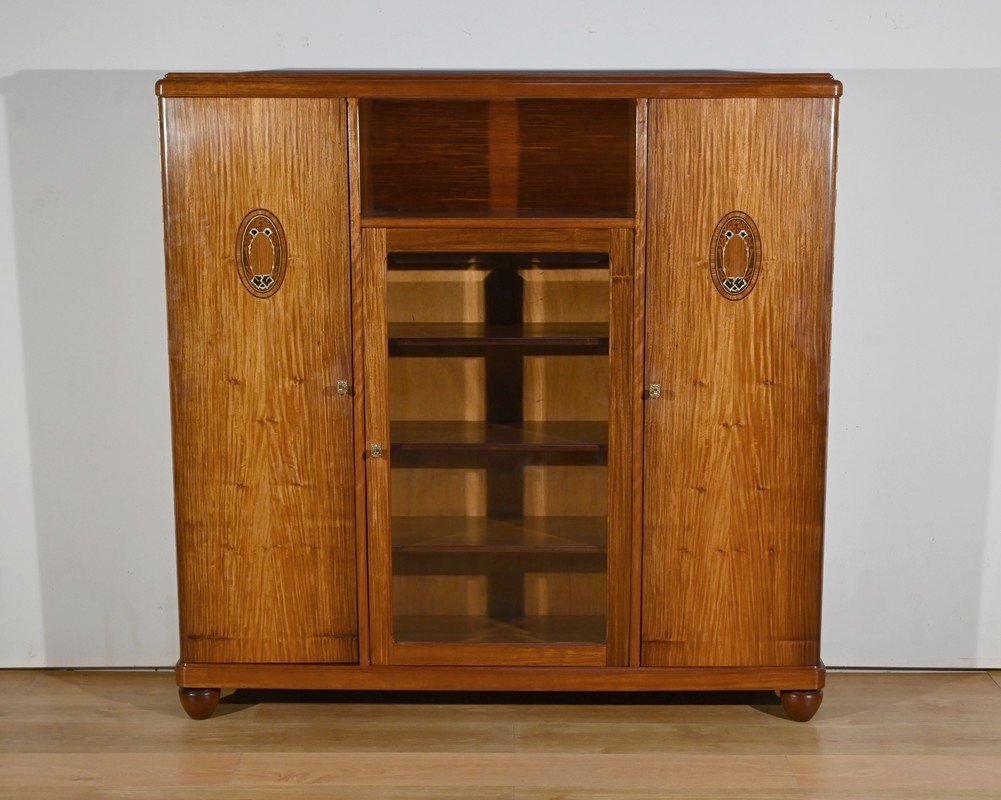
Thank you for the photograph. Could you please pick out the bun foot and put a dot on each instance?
(198, 703)
(801, 706)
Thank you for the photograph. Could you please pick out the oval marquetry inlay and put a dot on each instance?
(735, 255)
(261, 257)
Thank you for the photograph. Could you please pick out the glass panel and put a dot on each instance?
(498, 397)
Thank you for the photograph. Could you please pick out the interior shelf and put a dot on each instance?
(491, 261)
(499, 535)
(486, 630)
(531, 437)
(497, 221)
(591, 338)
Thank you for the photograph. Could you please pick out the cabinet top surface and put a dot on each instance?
(440, 85)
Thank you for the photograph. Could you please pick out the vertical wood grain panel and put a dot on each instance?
(262, 441)
(358, 363)
(502, 156)
(619, 449)
(735, 447)
(636, 385)
(380, 560)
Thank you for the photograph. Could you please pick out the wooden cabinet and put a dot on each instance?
(499, 381)
(263, 444)
(734, 450)
(497, 367)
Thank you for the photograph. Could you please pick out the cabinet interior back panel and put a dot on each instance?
(498, 158)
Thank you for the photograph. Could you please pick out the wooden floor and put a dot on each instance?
(123, 735)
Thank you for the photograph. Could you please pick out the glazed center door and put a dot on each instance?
(497, 424)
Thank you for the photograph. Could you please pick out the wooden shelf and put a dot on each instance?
(444, 336)
(485, 630)
(487, 259)
(497, 536)
(528, 437)
(497, 222)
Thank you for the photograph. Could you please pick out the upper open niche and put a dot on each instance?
(498, 158)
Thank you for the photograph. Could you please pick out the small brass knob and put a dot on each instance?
(654, 391)
(375, 451)
(343, 387)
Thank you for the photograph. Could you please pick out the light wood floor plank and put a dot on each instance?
(215, 792)
(878, 736)
(40, 770)
(877, 772)
(479, 793)
(16, 681)
(903, 714)
(556, 771)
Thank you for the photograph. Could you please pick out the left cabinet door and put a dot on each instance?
(258, 289)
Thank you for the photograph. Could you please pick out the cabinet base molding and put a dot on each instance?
(805, 679)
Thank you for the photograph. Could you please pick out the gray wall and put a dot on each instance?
(913, 552)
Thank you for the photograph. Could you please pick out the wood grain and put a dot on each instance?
(520, 437)
(879, 736)
(735, 448)
(497, 158)
(358, 387)
(714, 496)
(425, 157)
(501, 85)
(620, 457)
(530, 535)
(502, 160)
(511, 239)
(511, 677)
(556, 222)
(263, 466)
(638, 367)
(380, 564)
(448, 338)
(561, 297)
(576, 157)
(510, 654)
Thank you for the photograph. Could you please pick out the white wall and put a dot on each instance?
(914, 504)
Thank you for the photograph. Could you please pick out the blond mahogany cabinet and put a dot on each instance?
(510, 381)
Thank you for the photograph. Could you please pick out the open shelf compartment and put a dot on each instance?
(498, 158)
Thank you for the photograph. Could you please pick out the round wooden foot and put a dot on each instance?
(198, 703)
(801, 706)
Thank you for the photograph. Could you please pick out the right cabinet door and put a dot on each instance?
(740, 223)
